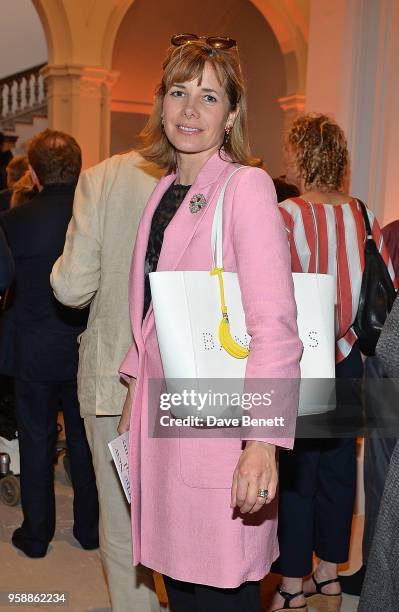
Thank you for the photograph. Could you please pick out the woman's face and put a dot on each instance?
(195, 115)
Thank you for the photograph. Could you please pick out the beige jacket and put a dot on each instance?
(94, 268)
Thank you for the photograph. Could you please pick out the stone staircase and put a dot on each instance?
(23, 106)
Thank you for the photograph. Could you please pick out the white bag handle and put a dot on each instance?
(230, 345)
(217, 227)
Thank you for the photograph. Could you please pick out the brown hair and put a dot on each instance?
(320, 151)
(55, 157)
(23, 191)
(186, 63)
(16, 169)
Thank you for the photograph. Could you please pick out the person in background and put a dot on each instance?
(380, 592)
(391, 238)
(7, 269)
(317, 480)
(46, 352)
(6, 264)
(16, 169)
(377, 447)
(23, 190)
(5, 158)
(94, 269)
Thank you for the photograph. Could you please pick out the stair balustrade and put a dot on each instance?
(22, 94)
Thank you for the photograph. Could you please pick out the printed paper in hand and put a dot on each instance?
(120, 454)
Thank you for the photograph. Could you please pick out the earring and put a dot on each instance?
(227, 131)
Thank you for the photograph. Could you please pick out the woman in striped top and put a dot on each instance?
(317, 480)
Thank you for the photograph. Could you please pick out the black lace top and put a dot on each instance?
(167, 207)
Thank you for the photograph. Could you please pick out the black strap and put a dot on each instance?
(320, 585)
(366, 219)
(289, 597)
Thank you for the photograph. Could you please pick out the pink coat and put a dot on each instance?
(182, 523)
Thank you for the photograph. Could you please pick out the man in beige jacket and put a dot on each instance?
(94, 269)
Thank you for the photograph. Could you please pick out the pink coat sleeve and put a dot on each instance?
(264, 271)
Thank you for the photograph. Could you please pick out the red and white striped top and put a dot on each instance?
(341, 237)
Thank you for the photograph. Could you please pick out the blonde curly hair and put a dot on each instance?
(319, 152)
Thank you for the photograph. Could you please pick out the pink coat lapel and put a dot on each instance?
(183, 225)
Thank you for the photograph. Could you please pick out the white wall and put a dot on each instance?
(353, 73)
(22, 41)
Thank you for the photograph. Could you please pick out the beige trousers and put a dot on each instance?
(131, 588)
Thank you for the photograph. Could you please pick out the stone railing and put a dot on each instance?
(21, 93)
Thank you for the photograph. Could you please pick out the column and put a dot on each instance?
(292, 106)
(79, 104)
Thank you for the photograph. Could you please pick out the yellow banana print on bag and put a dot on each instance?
(227, 341)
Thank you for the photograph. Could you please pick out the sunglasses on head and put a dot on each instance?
(216, 42)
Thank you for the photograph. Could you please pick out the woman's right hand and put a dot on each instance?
(124, 421)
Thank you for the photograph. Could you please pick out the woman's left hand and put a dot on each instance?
(256, 469)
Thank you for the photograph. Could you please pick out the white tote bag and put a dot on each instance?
(187, 311)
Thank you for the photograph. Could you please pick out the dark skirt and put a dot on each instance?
(317, 493)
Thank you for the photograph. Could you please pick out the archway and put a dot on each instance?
(289, 21)
(83, 43)
(140, 46)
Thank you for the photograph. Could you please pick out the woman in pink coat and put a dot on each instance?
(203, 510)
